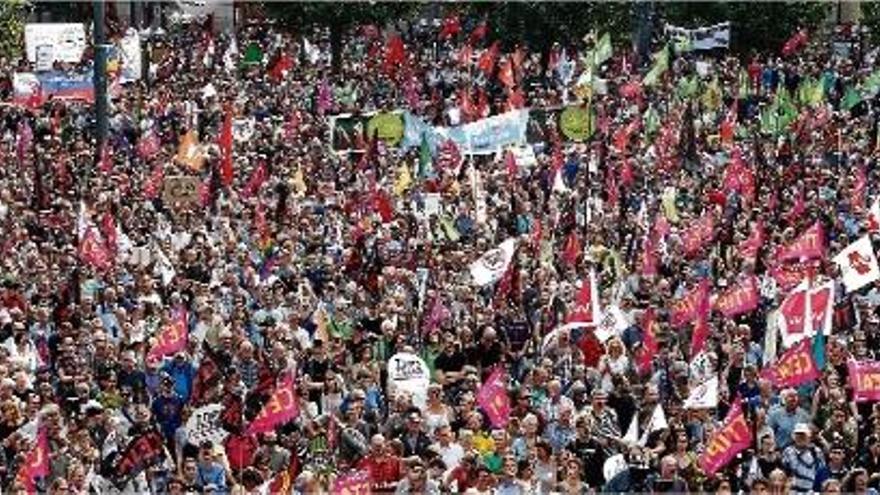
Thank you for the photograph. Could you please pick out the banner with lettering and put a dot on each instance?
(734, 436)
(693, 304)
(699, 234)
(795, 367)
(353, 483)
(281, 408)
(787, 276)
(173, 338)
(408, 373)
(493, 398)
(739, 299)
(810, 245)
(864, 378)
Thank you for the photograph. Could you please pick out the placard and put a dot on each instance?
(68, 40)
(180, 190)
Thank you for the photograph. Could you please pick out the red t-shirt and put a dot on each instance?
(383, 470)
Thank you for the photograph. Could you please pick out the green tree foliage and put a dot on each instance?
(12, 19)
(871, 18)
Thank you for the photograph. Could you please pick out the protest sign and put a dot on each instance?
(408, 373)
(180, 190)
(68, 40)
(204, 425)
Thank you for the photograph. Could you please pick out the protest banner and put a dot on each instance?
(809, 245)
(204, 425)
(690, 306)
(494, 400)
(734, 436)
(864, 378)
(408, 373)
(701, 38)
(281, 408)
(795, 367)
(741, 298)
(68, 40)
(171, 339)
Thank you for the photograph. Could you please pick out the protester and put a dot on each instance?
(288, 273)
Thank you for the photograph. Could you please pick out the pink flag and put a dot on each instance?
(749, 248)
(93, 251)
(699, 234)
(256, 180)
(36, 462)
(173, 338)
(493, 398)
(733, 437)
(789, 275)
(794, 368)
(692, 305)
(864, 378)
(353, 483)
(739, 299)
(810, 245)
(281, 408)
(649, 342)
(700, 335)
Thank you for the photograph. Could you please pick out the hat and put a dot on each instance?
(801, 428)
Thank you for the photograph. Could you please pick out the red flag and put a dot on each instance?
(789, 275)
(256, 181)
(611, 190)
(649, 342)
(108, 230)
(695, 237)
(482, 103)
(585, 303)
(810, 245)
(466, 105)
(694, 304)
(631, 90)
(741, 298)
(478, 33)
(572, 250)
(734, 436)
(281, 408)
(510, 165)
(106, 164)
(505, 72)
(661, 227)
(493, 398)
(451, 27)
(626, 174)
(465, 55)
(864, 378)
(699, 336)
(173, 338)
(225, 143)
(382, 204)
(395, 54)
(622, 136)
(795, 43)
(795, 367)
(153, 184)
(281, 66)
(728, 125)
(798, 208)
(515, 99)
(749, 248)
(487, 59)
(36, 462)
(93, 251)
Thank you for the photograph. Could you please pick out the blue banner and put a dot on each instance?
(483, 137)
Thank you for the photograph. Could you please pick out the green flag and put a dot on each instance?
(687, 87)
(651, 120)
(449, 229)
(661, 65)
(253, 55)
(602, 51)
(850, 99)
(425, 168)
(871, 85)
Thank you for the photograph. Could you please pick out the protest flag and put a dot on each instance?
(809, 245)
(650, 345)
(451, 26)
(858, 264)
(586, 302)
(864, 378)
(742, 298)
(692, 305)
(395, 54)
(255, 182)
(281, 407)
(225, 143)
(734, 436)
(572, 249)
(494, 400)
(36, 462)
(490, 267)
(795, 367)
(661, 65)
(173, 338)
(478, 33)
(795, 43)
(486, 62)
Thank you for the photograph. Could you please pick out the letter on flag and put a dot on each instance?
(353, 483)
(795, 367)
(493, 398)
(282, 407)
(864, 377)
(739, 299)
(810, 245)
(696, 236)
(490, 267)
(36, 463)
(858, 264)
(173, 338)
(733, 437)
(689, 307)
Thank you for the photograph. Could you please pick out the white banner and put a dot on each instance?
(68, 40)
(858, 264)
(701, 38)
(130, 53)
(409, 373)
(204, 424)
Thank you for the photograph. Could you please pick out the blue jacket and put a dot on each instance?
(183, 376)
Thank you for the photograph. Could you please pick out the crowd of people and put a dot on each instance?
(299, 266)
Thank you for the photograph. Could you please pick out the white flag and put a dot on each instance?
(490, 267)
(874, 216)
(657, 422)
(704, 396)
(858, 264)
(632, 433)
(613, 322)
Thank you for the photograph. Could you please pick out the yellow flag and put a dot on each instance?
(404, 180)
(670, 211)
(190, 153)
(299, 183)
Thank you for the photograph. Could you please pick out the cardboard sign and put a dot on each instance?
(183, 190)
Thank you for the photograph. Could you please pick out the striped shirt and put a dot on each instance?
(802, 465)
